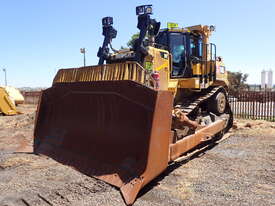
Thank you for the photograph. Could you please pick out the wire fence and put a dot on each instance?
(253, 104)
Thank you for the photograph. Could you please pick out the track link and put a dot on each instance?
(188, 106)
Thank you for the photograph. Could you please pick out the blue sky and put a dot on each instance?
(38, 37)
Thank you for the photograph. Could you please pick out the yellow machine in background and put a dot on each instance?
(10, 97)
(125, 121)
(15, 95)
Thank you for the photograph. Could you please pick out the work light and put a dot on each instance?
(144, 9)
(107, 21)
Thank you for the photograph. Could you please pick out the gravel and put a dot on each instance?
(238, 171)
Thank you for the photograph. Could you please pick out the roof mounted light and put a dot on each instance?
(144, 9)
(107, 21)
(172, 25)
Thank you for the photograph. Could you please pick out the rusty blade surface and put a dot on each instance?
(117, 131)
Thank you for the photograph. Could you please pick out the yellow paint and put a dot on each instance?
(119, 71)
(197, 69)
(7, 106)
(163, 66)
(171, 25)
(190, 83)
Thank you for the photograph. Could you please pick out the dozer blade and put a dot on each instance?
(116, 131)
(7, 107)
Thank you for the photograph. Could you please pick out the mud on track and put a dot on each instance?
(238, 171)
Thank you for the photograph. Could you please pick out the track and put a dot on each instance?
(191, 104)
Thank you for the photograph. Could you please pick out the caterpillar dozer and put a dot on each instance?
(126, 119)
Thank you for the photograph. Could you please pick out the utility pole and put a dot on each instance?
(5, 70)
(83, 51)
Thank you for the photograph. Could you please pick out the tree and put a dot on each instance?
(131, 42)
(237, 81)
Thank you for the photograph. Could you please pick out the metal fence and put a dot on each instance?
(31, 97)
(253, 104)
(245, 104)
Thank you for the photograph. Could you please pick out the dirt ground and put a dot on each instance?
(237, 171)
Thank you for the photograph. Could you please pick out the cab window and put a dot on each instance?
(195, 47)
(162, 40)
(177, 49)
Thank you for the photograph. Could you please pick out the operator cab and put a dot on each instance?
(186, 49)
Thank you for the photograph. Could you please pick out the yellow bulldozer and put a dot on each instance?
(126, 119)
